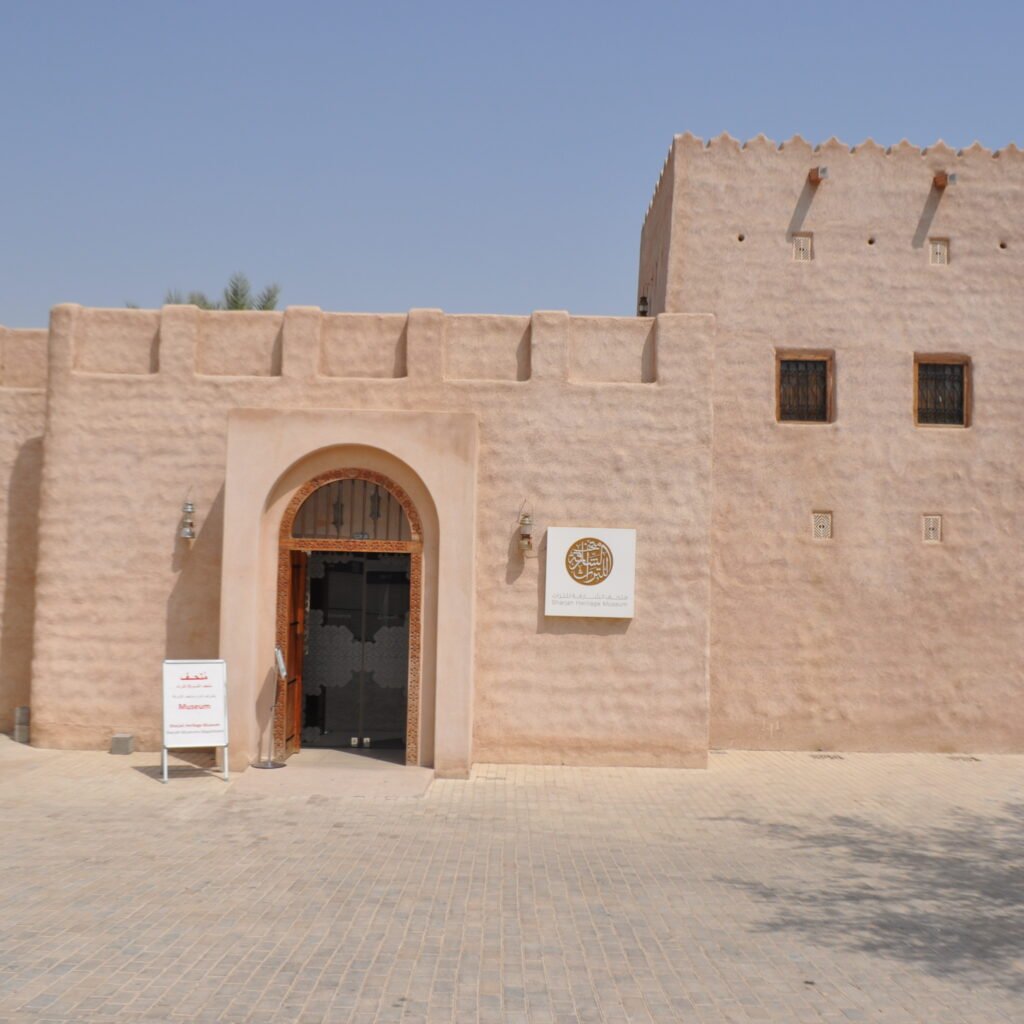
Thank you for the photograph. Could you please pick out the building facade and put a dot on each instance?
(814, 434)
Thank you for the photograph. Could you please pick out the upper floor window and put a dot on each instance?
(803, 386)
(942, 390)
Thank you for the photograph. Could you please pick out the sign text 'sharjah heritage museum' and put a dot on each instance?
(780, 508)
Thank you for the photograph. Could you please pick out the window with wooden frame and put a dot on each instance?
(942, 390)
(803, 386)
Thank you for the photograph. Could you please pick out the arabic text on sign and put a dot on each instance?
(589, 561)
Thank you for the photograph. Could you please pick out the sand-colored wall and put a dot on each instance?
(874, 640)
(22, 419)
(656, 238)
(587, 421)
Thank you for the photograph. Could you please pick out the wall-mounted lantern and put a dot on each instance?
(642, 307)
(816, 175)
(188, 522)
(526, 532)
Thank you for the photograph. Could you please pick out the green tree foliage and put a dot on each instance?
(237, 295)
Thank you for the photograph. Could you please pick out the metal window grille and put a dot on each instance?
(803, 390)
(821, 525)
(940, 393)
(802, 250)
(938, 249)
(352, 509)
(931, 529)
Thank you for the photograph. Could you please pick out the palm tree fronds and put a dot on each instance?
(267, 299)
(238, 294)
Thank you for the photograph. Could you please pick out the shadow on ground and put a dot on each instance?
(183, 764)
(947, 897)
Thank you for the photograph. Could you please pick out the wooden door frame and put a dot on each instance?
(414, 548)
(295, 616)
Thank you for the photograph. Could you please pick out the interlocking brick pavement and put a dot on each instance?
(773, 887)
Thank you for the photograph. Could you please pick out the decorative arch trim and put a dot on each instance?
(351, 473)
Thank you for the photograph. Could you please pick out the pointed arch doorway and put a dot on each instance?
(349, 616)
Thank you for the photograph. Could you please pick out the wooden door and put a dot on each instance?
(293, 656)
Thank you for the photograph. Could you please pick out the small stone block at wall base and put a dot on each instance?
(21, 718)
(122, 743)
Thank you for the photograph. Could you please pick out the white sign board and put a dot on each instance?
(591, 572)
(195, 704)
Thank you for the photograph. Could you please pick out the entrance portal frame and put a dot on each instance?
(413, 547)
(271, 454)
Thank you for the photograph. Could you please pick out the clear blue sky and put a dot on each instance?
(479, 157)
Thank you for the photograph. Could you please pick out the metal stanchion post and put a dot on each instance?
(268, 761)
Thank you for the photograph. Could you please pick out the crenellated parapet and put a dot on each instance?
(797, 143)
(306, 344)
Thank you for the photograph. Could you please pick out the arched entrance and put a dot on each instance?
(349, 615)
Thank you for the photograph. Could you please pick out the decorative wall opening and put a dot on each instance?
(931, 529)
(938, 252)
(821, 525)
(351, 564)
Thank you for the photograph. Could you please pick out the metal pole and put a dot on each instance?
(268, 761)
(163, 763)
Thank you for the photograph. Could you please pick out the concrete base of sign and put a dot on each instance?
(122, 743)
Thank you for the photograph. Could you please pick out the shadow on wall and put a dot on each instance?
(524, 356)
(924, 224)
(649, 360)
(516, 561)
(948, 898)
(18, 624)
(193, 609)
(800, 211)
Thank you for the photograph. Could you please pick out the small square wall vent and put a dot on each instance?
(821, 525)
(803, 249)
(931, 529)
(938, 250)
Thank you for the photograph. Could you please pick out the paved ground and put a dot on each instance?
(774, 887)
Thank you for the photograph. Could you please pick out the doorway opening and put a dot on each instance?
(355, 674)
(349, 618)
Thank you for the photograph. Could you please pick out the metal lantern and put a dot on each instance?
(188, 523)
(525, 532)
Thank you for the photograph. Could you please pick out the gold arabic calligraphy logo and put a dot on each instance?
(589, 561)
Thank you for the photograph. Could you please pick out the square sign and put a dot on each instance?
(591, 572)
(195, 704)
